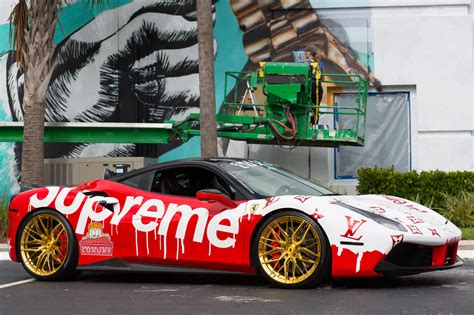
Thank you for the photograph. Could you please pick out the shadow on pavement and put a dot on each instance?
(232, 279)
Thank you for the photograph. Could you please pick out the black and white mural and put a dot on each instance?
(137, 61)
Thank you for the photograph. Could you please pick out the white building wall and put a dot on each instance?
(425, 47)
(434, 53)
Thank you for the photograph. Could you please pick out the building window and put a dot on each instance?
(387, 138)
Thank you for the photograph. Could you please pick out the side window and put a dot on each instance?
(189, 180)
(155, 184)
(138, 181)
(173, 182)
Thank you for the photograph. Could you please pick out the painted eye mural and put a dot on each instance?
(137, 61)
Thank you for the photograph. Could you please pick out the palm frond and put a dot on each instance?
(18, 28)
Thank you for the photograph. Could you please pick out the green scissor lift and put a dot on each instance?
(282, 117)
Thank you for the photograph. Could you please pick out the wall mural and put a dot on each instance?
(137, 61)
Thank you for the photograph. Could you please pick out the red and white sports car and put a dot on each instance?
(225, 214)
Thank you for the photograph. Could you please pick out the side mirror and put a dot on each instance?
(215, 195)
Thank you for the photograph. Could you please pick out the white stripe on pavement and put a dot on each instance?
(466, 254)
(4, 256)
(12, 284)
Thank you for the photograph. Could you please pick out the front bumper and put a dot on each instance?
(409, 258)
(389, 269)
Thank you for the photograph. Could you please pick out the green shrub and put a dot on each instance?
(468, 233)
(428, 188)
(459, 209)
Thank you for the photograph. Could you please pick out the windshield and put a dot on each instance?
(267, 180)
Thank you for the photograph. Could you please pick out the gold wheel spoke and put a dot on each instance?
(57, 249)
(36, 253)
(311, 244)
(304, 234)
(285, 269)
(272, 251)
(268, 239)
(31, 249)
(271, 244)
(54, 229)
(37, 230)
(279, 269)
(285, 233)
(60, 233)
(38, 260)
(310, 261)
(304, 266)
(269, 261)
(57, 255)
(301, 270)
(51, 262)
(45, 229)
(48, 258)
(45, 260)
(33, 241)
(295, 232)
(272, 241)
(277, 237)
(307, 251)
(30, 232)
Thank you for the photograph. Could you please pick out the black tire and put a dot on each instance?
(318, 271)
(62, 267)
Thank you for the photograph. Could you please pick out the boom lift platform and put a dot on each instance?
(269, 106)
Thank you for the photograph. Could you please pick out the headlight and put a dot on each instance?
(388, 223)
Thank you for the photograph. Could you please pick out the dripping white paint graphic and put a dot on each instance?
(359, 259)
(147, 247)
(177, 249)
(136, 242)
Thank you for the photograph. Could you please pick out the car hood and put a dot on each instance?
(407, 212)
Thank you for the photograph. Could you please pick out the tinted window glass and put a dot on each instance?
(137, 181)
(187, 181)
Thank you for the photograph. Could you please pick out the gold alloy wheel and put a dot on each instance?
(289, 249)
(44, 244)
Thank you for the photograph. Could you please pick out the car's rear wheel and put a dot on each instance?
(292, 250)
(48, 246)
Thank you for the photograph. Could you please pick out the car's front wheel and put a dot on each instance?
(291, 250)
(47, 246)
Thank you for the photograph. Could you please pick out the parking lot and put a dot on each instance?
(217, 293)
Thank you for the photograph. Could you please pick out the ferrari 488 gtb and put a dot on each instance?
(225, 214)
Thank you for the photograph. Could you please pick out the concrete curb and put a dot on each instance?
(466, 245)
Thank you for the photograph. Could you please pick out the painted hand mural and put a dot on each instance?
(138, 62)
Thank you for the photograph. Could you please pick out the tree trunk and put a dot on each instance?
(207, 100)
(38, 69)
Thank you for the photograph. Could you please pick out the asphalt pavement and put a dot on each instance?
(446, 292)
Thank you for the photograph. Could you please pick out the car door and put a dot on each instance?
(175, 227)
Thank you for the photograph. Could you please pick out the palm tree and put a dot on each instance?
(207, 97)
(32, 28)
